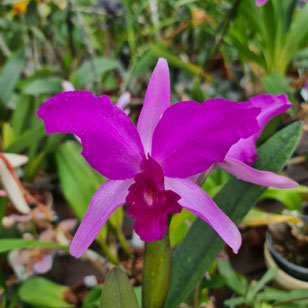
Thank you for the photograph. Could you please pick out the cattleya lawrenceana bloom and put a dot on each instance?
(150, 167)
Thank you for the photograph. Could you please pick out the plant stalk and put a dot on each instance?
(156, 272)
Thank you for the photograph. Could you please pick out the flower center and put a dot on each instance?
(150, 203)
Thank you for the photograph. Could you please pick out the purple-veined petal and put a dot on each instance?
(248, 174)
(270, 106)
(106, 200)
(157, 100)
(190, 136)
(195, 199)
(260, 2)
(111, 143)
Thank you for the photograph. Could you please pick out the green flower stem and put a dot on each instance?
(156, 272)
(123, 242)
(105, 248)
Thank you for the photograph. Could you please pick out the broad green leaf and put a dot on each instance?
(16, 243)
(289, 197)
(78, 180)
(235, 281)
(48, 85)
(117, 291)
(201, 244)
(43, 293)
(10, 75)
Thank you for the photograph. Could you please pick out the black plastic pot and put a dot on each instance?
(296, 271)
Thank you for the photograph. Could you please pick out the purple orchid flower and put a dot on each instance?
(149, 167)
(242, 155)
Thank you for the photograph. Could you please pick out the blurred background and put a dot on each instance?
(215, 48)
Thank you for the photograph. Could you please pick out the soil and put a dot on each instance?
(288, 246)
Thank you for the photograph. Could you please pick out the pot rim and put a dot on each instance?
(284, 262)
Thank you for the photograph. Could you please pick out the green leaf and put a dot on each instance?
(84, 74)
(289, 197)
(201, 244)
(236, 301)
(3, 206)
(93, 298)
(27, 139)
(276, 84)
(160, 51)
(22, 113)
(278, 296)
(179, 226)
(117, 291)
(41, 292)
(10, 75)
(49, 85)
(267, 277)
(235, 281)
(78, 180)
(16, 243)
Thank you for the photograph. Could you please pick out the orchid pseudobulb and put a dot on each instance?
(150, 166)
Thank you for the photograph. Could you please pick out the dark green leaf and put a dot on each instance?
(10, 75)
(117, 291)
(201, 244)
(3, 206)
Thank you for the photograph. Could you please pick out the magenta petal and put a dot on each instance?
(194, 199)
(248, 174)
(190, 136)
(270, 106)
(111, 143)
(157, 100)
(105, 201)
(260, 2)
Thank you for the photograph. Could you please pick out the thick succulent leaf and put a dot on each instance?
(201, 244)
(117, 291)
